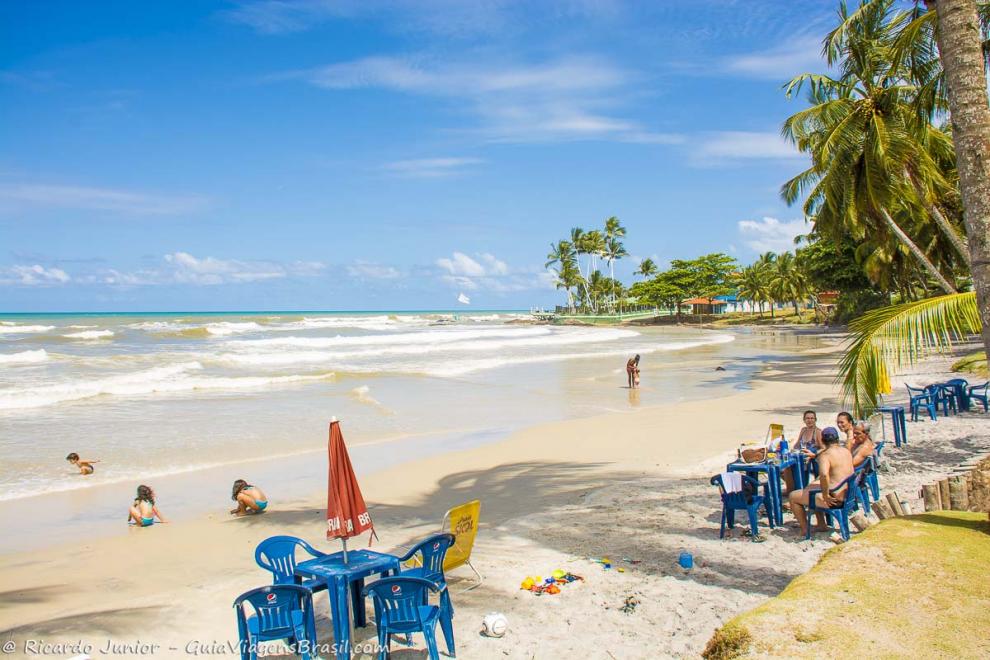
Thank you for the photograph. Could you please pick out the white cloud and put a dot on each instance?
(97, 199)
(770, 234)
(487, 272)
(184, 268)
(731, 147)
(781, 62)
(372, 271)
(461, 265)
(35, 275)
(568, 98)
(430, 168)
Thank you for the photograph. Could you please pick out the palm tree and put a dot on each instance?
(593, 244)
(787, 282)
(872, 157)
(613, 246)
(751, 285)
(891, 337)
(765, 265)
(647, 268)
(613, 250)
(578, 242)
(566, 275)
(960, 50)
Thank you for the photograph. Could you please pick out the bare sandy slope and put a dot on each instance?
(624, 485)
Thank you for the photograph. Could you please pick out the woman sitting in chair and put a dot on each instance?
(250, 499)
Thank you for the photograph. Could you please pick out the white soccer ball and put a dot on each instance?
(495, 625)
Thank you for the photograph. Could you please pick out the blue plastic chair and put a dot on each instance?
(280, 612)
(871, 473)
(849, 504)
(960, 390)
(863, 487)
(945, 395)
(974, 394)
(277, 554)
(431, 553)
(400, 609)
(732, 502)
(920, 396)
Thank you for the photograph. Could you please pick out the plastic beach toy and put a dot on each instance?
(559, 574)
(686, 560)
(527, 584)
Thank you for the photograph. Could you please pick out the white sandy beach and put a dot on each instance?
(631, 486)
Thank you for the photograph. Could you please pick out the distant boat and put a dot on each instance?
(464, 300)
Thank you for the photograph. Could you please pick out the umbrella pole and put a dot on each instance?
(344, 541)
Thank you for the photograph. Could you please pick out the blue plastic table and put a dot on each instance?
(339, 576)
(897, 420)
(773, 470)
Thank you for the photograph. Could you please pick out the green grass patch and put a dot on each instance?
(780, 317)
(913, 587)
(974, 363)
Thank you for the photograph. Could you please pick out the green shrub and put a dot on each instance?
(729, 641)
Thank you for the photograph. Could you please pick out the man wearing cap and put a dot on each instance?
(835, 463)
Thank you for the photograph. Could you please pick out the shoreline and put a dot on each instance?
(74, 507)
(623, 485)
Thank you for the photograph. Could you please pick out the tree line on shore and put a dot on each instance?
(897, 195)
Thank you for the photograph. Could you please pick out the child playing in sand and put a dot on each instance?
(250, 499)
(85, 465)
(144, 511)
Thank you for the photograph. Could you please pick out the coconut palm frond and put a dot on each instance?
(891, 337)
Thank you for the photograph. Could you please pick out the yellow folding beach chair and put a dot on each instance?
(462, 521)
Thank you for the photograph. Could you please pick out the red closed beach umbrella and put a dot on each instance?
(347, 514)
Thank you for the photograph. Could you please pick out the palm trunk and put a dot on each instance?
(960, 48)
(950, 232)
(918, 254)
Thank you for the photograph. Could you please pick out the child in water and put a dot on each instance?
(85, 465)
(144, 511)
(250, 499)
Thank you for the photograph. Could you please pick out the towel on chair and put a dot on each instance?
(732, 481)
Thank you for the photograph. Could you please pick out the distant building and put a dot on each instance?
(706, 305)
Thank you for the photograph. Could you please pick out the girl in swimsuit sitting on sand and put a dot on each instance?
(250, 499)
(144, 511)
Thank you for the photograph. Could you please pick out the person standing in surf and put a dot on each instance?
(632, 372)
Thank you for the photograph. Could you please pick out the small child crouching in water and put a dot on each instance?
(85, 465)
(143, 512)
(250, 499)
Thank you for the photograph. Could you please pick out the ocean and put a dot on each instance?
(150, 395)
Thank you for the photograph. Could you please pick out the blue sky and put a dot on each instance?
(311, 154)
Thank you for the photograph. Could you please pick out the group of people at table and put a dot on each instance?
(838, 451)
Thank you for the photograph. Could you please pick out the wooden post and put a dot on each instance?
(930, 494)
(887, 511)
(878, 511)
(895, 504)
(859, 521)
(958, 497)
(943, 493)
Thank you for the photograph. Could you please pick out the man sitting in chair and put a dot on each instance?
(835, 463)
(863, 445)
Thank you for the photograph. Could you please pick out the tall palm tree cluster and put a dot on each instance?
(883, 134)
(586, 286)
(774, 278)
